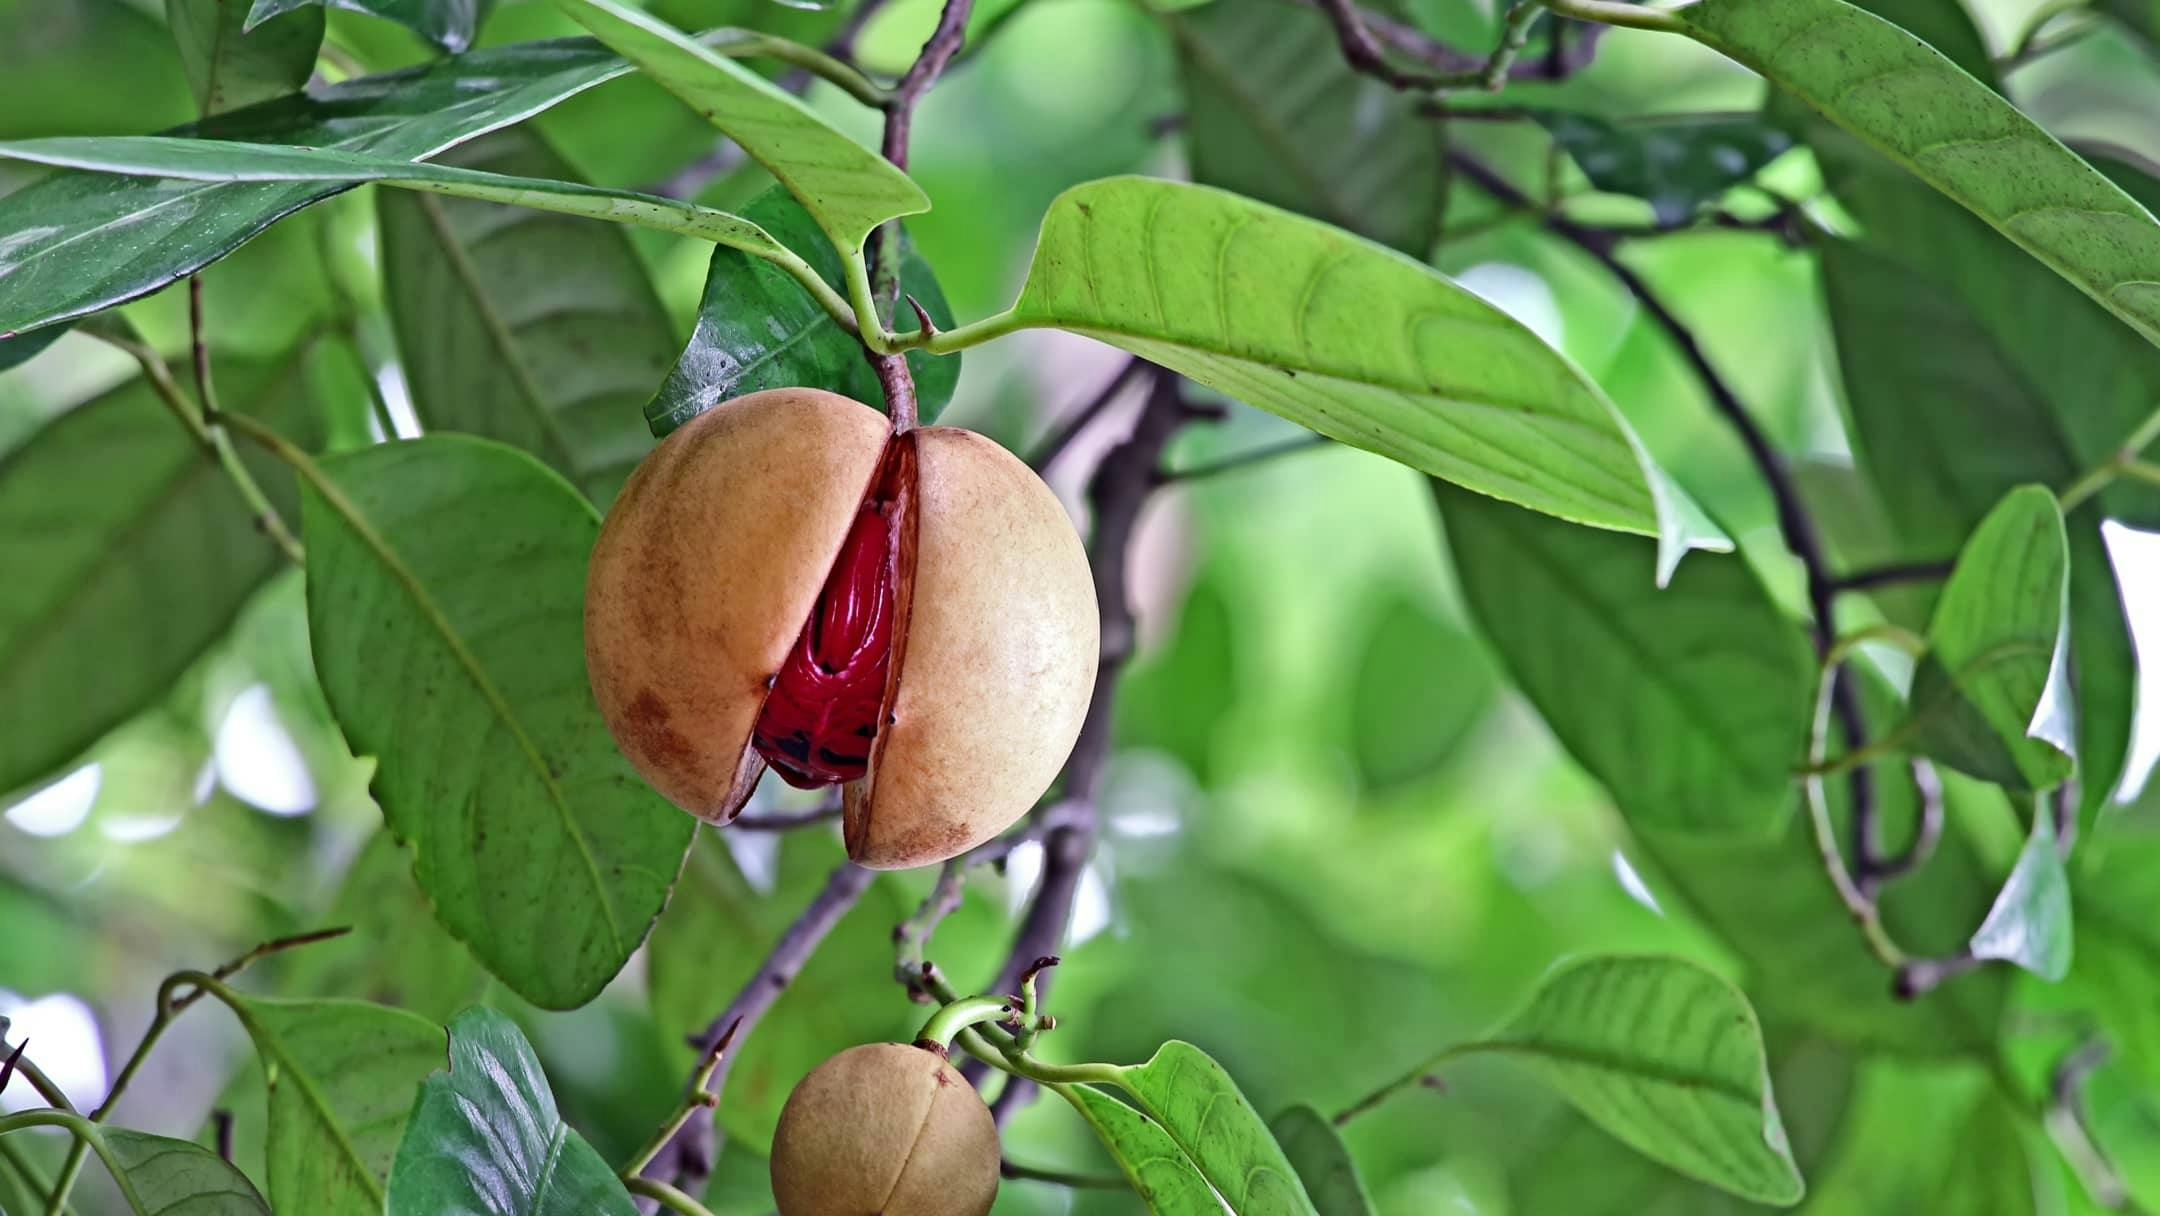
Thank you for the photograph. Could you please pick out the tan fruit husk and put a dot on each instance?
(885, 1129)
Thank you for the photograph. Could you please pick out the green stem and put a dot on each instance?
(1864, 911)
(87, 1139)
(33, 1180)
(1612, 12)
(1415, 1076)
(837, 72)
(670, 1197)
(1103, 1182)
(700, 1098)
(946, 1024)
(2123, 461)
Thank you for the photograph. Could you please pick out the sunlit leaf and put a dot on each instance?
(1203, 1111)
(537, 844)
(1992, 697)
(1159, 1171)
(1350, 339)
(229, 68)
(485, 1137)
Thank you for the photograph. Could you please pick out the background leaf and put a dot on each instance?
(485, 1137)
(228, 68)
(1421, 685)
(1203, 1111)
(129, 554)
(342, 1075)
(1678, 166)
(1687, 703)
(847, 187)
(1158, 1170)
(2030, 922)
(168, 1175)
(539, 330)
(1666, 1056)
(1322, 1162)
(537, 844)
(1991, 698)
(121, 238)
(1273, 113)
(757, 328)
(449, 24)
(1356, 342)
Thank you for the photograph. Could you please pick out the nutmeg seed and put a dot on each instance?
(911, 617)
(885, 1129)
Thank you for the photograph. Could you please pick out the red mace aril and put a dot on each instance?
(785, 582)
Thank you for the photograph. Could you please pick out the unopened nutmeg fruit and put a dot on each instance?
(886, 1129)
(787, 582)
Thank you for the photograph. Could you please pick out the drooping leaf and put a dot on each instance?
(229, 68)
(446, 581)
(129, 553)
(1159, 1171)
(1992, 697)
(233, 161)
(341, 1078)
(757, 328)
(848, 188)
(1689, 703)
(1203, 1111)
(159, 1175)
(1322, 1162)
(541, 331)
(1678, 166)
(1350, 339)
(1907, 101)
(449, 24)
(1669, 1058)
(1273, 112)
(485, 1137)
(2030, 922)
(85, 242)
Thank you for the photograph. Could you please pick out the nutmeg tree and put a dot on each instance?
(524, 448)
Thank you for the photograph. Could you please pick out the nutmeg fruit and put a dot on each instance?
(885, 1129)
(785, 581)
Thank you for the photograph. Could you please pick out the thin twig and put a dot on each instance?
(786, 821)
(1247, 459)
(1889, 576)
(1105, 1182)
(1076, 421)
(1567, 56)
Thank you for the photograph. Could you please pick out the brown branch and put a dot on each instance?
(787, 821)
(1888, 576)
(1059, 439)
(1378, 34)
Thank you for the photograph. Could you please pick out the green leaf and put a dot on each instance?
(115, 519)
(100, 241)
(1677, 165)
(449, 24)
(485, 1137)
(232, 162)
(397, 954)
(2029, 925)
(1203, 1111)
(1689, 703)
(537, 844)
(539, 330)
(342, 1075)
(1992, 697)
(847, 187)
(228, 68)
(64, 57)
(1273, 112)
(758, 328)
(1158, 1170)
(159, 1176)
(1178, 692)
(1420, 685)
(1355, 341)
(1907, 101)
(1667, 1057)
(1322, 1162)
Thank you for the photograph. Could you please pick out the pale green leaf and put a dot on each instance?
(2029, 925)
(1203, 1111)
(1158, 1170)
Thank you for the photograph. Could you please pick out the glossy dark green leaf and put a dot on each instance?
(1687, 703)
(1322, 1162)
(1273, 112)
(116, 519)
(1420, 685)
(229, 68)
(1679, 166)
(2029, 925)
(540, 330)
(342, 1075)
(485, 1138)
(1203, 1111)
(1907, 101)
(449, 24)
(1992, 697)
(1160, 1173)
(159, 1175)
(758, 328)
(538, 845)
(100, 240)
(1667, 1057)
(1353, 340)
(24, 347)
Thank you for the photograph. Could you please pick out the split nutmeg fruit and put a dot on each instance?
(785, 581)
(885, 1129)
